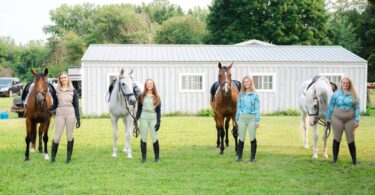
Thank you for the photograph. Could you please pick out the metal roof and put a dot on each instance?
(204, 53)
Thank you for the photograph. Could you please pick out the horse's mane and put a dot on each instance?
(311, 90)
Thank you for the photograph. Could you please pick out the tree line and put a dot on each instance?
(350, 23)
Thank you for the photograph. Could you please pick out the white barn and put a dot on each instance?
(184, 73)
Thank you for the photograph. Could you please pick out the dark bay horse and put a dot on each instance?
(37, 103)
(224, 106)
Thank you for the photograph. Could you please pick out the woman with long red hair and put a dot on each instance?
(148, 113)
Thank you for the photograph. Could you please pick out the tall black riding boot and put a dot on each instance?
(156, 151)
(253, 150)
(240, 150)
(353, 152)
(143, 150)
(54, 148)
(335, 150)
(69, 151)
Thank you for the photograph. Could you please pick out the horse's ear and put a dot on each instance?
(45, 71)
(122, 71)
(131, 72)
(33, 72)
(219, 65)
(230, 66)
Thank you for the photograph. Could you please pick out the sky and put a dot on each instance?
(23, 20)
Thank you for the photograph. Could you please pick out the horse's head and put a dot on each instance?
(225, 78)
(40, 87)
(317, 98)
(312, 105)
(126, 83)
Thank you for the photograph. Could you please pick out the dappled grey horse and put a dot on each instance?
(314, 98)
(122, 104)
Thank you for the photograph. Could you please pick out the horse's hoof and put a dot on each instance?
(315, 156)
(326, 156)
(32, 149)
(124, 151)
(130, 156)
(114, 155)
(40, 150)
(221, 152)
(306, 146)
(46, 157)
(27, 159)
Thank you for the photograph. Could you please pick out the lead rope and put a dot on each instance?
(136, 129)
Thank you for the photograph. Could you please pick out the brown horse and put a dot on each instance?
(37, 103)
(224, 106)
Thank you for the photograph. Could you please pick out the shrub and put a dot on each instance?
(206, 112)
(289, 112)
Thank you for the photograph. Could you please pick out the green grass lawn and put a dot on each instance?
(190, 162)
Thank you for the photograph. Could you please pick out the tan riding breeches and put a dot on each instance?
(343, 120)
(65, 117)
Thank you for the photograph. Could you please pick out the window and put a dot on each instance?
(191, 82)
(334, 78)
(264, 82)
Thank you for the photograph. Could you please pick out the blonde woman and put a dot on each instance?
(148, 113)
(247, 116)
(67, 114)
(343, 114)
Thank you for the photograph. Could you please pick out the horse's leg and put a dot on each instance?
(44, 129)
(235, 135)
(128, 123)
(114, 120)
(221, 132)
(33, 137)
(28, 138)
(218, 132)
(40, 134)
(305, 130)
(315, 149)
(226, 131)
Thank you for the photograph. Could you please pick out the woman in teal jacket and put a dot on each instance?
(247, 116)
(343, 114)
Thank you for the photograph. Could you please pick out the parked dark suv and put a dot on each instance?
(10, 86)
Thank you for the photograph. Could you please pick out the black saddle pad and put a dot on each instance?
(26, 91)
(216, 85)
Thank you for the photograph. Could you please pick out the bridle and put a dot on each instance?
(226, 80)
(320, 121)
(127, 96)
(317, 108)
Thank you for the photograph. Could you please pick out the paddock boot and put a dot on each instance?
(143, 150)
(54, 148)
(353, 152)
(240, 150)
(69, 151)
(156, 151)
(253, 150)
(335, 150)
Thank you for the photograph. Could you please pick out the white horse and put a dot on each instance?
(313, 102)
(122, 104)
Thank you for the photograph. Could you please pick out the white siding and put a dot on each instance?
(288, 77)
